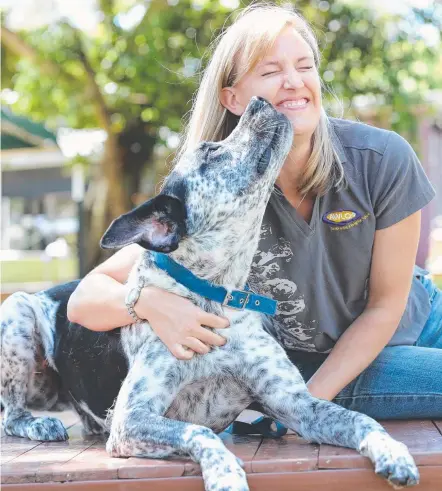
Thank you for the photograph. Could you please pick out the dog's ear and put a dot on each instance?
(158, 225)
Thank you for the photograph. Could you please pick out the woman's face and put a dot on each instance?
(287, 78)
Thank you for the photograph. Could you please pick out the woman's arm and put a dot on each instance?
(393, 260)
(98, 302)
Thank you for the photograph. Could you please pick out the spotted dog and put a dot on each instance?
(126, 383)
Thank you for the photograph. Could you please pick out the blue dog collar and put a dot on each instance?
(236, 299)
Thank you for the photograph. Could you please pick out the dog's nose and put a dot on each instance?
(256, 104)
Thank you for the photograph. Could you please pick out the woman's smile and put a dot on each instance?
(293, 104)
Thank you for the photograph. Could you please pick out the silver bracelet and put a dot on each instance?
(132, 297)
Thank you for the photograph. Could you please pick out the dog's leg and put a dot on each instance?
(279, 387)
(20, 351)
(139, 429)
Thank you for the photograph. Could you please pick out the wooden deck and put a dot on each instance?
(285, 464)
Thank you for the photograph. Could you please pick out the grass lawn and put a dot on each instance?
(35, 270)
(56, 270)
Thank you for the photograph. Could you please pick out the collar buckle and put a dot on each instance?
(237, 299)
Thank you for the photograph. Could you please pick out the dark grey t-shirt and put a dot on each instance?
(319, 272)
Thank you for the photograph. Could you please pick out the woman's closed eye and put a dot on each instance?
(303, 68)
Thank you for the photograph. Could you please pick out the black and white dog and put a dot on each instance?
(207, 219)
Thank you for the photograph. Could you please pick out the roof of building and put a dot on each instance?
(21, 132)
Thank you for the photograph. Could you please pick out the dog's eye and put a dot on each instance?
(209, 147)
(215, 153)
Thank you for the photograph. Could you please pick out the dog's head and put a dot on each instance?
(213, 201)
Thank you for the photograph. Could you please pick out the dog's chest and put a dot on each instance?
(214, 402)
(210, 394)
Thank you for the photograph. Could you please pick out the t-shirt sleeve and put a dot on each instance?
(401, 186)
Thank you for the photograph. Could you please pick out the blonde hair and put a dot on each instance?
(237, 50)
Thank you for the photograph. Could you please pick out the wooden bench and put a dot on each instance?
(289, 463)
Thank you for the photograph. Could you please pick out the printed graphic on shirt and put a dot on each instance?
(343, 219)
(268, 278)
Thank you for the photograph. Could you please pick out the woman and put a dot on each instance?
(339, 239)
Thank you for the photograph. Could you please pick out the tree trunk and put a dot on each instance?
(112, 191)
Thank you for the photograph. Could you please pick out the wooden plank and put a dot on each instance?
(81, 459)
(84, 459)
(286, 454)
(331, 457)
(191, 483)
(13, 446)
(92, 463)
(334, 480)
(242, 446)
(24, 468)
(331, 480)
(138, 468)
(421, 437)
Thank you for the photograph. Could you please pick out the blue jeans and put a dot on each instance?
(403, 382)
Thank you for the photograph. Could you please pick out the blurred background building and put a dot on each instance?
(95, 92)
(36, 206)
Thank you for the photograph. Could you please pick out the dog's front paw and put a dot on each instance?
(115, 448)
(397, 466)
(391, 460)
(46, 429)
(222, 471)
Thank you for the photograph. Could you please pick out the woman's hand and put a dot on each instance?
(98, 303)
(179, 323)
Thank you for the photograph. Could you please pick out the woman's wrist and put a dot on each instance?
(145, 302)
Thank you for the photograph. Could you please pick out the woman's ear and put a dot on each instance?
(228, 99)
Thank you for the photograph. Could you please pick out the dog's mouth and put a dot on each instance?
(264, 160)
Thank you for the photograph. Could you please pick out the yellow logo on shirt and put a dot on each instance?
(340, 217)
(343, 219)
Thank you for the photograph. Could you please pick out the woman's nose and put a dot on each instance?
(293, 79)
